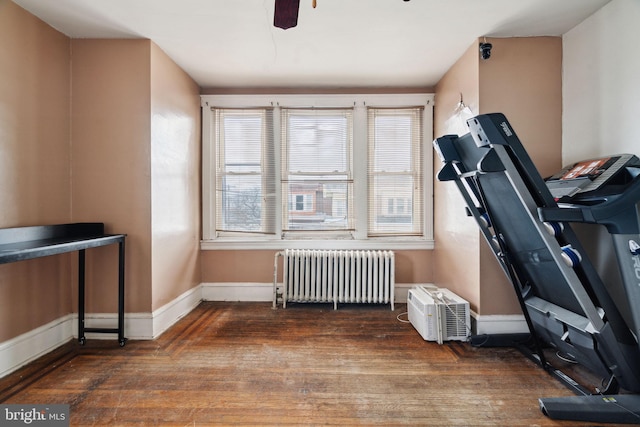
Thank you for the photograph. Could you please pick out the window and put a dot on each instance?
(317, 171)
(395, 171)
(244, 179)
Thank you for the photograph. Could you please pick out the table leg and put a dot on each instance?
(81, 274)
(121, 338)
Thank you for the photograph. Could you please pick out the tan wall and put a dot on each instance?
(34, 164)
(175, 179)
(110, 117)
(107, 153)
(257, 266)
(456, 254)
(522, 79)
(89, 157)
(136, 156)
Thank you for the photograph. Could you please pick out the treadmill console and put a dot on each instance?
(593, 174)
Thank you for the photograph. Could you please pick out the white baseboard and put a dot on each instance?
(143, 326)
(164, 317)
(402, 292)
(499, 324)
(20, 350)
(251, 292)
(27, 347)
(263, 292)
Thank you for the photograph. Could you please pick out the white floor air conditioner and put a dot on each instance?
(438, 314)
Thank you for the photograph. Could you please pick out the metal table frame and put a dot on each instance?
(23, 243)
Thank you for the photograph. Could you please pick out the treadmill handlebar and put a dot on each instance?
(618, 213)
(561, 214)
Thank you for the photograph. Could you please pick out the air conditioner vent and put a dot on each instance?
(438, 314)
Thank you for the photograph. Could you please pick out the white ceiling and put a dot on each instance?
(340, 43)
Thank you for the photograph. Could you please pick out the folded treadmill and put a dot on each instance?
(567, 305)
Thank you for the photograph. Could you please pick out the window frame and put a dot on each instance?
(412, 169)
(305, 177)
(318, 240)
(222, 172)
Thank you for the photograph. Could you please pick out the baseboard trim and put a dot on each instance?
(20, 350)
(263, 292)
(27, 347)
(144, 326)
(167, 315)
(248, 292)
(499, 324)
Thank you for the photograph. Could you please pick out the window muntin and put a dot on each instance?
(273, 197)
(395, 171)
(244, 171)
(316, 165)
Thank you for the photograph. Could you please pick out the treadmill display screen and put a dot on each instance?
(587, 175)
(589, 168)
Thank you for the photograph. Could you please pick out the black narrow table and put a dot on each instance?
(23, 243)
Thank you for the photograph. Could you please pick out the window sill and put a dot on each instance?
(369, 244)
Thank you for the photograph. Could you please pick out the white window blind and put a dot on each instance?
(335, 171)
(395, 171)
(245, 170)
(317, 181)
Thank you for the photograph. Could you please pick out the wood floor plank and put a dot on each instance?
(246, 364)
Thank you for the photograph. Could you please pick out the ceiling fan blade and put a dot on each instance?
(286, 13)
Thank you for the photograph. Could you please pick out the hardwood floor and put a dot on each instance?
(246, 364)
